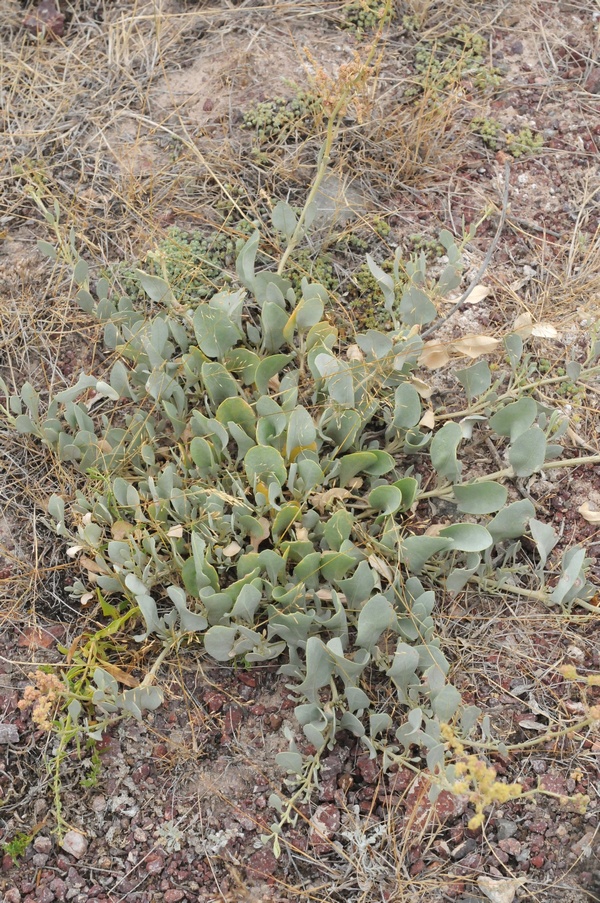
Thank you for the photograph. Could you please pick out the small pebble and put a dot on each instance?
(74, 843)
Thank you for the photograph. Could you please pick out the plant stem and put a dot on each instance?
(548, 737)
(333, 124)
(508, 472)
(510, 393)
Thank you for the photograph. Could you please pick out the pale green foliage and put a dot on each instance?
(366, 15)
(249, 486)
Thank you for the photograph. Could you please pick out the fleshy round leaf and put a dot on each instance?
(376, 616)
(338, 378)
(475, 379)
(528, 452)
(480, 498)
(515, 418)
(387, 499)
(443, 451)
(468, 537)
(511, 522)
(264, 464)
(407, 407)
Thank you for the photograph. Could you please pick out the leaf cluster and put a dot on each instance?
(251, 485)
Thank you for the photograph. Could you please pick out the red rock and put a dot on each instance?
(154, 863)
(159, 750)
(214, 701)
(538, 861)
(46, 19)
(472, 862)
(510, 845)
(42, 638)
(233, 719)
(554, 783)
(399, 781)
(7, 863)
(174, 896)
(262, 863)
(416, 868)
(324, 824)
(59, 888)
(369, 769)
(421, 811)
(327, 789)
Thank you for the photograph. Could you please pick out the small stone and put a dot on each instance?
(12, 895)
(262, 864)
(510, 845)
(9, 733)
(324, 823)
(369, 769)
(506, 828)
(39, 860)
(74, 843)
(174, 896)
(500, 890)
(416, 868)
(154, 863)
(59, 888)
(98, 803)
(537, 861)
(467, 846)
(214, 701)
(45, 895)
(42, 845)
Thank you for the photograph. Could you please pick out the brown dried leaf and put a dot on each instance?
(475, 345)
(523, 325)
(91, 566)
(544, 331)
(427, 420)
(354, 353)
(382, 568)
(121, 529)
(478, 294)
(255, 541)
(122, 676)
(423, 388)
(591, 516)
(434, 355)
(322, 500)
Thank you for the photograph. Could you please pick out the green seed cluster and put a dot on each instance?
(488, 130)
(381, 227)
(280, 118)
(315, 269)
(196, 263)
(365, 16)
(430, 247)
(364, 298)
(524, 142)
(461, 55)
(493, 136)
